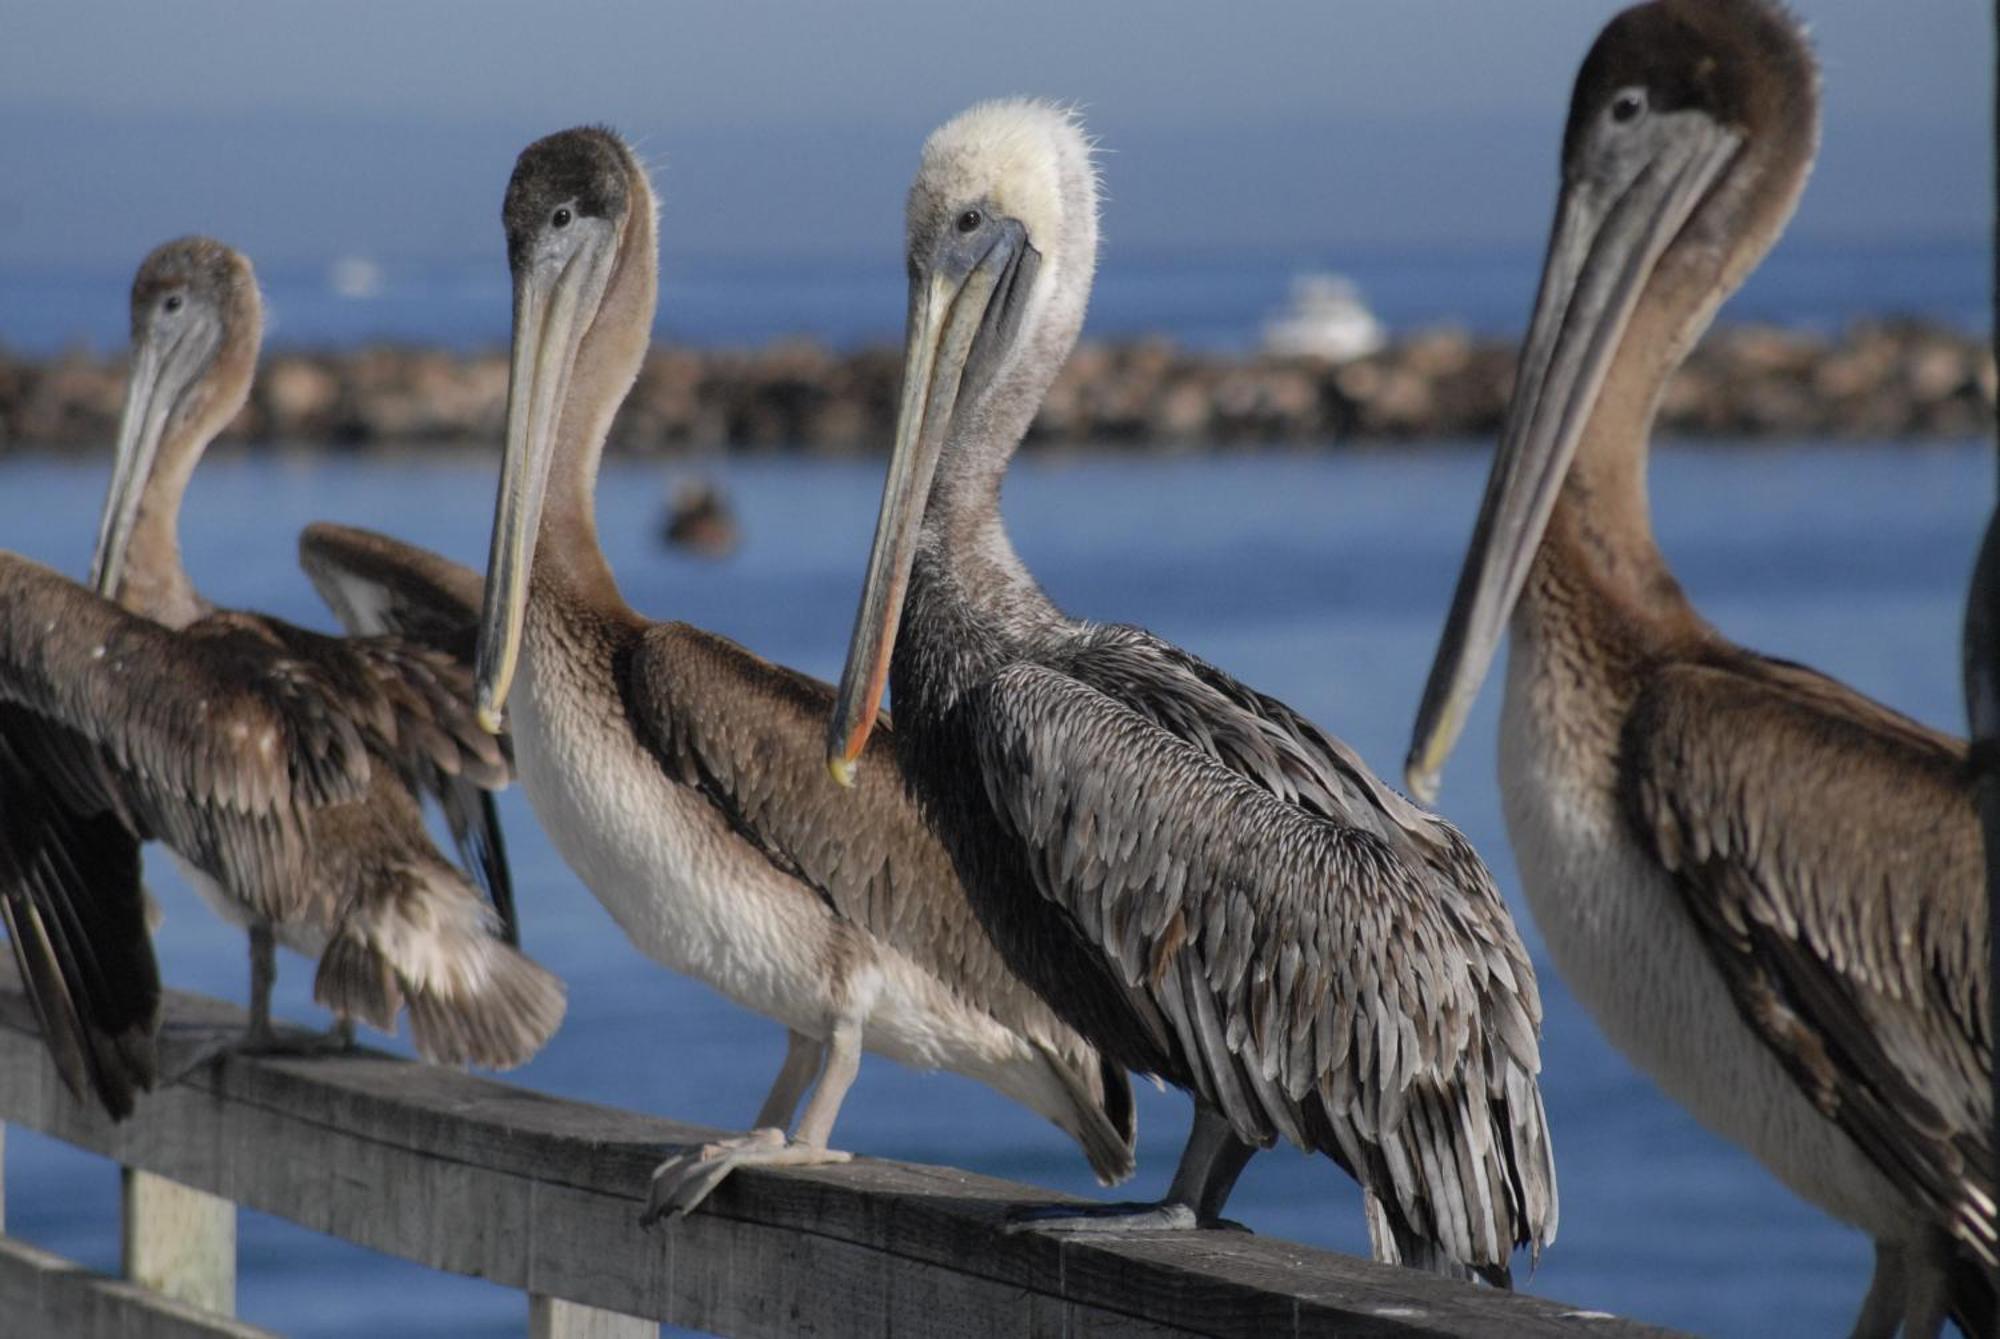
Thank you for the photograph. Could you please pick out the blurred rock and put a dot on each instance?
(1876, 379)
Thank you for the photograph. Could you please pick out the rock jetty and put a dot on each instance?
(1889, 379)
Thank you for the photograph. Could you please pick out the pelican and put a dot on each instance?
(680, 776)
(1766, 887)
(1208, 887)
(276, 764)
(379, 586)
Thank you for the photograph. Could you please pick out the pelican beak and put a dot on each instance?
(1607, 241)
(140, 428)
(161, 380)
(553, 308)
(964, 309)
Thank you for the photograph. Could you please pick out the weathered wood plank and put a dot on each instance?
(553, 1318)
(179, 1242)
(480, 1178)
(43, 1294)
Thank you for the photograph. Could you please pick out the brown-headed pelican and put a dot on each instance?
(276, 764)
(1766, 887)
(1206, 885)
(682, 777)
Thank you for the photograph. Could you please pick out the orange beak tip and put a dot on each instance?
(843, 770)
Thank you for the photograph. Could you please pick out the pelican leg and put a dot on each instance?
(1882, 1309)
(1927, 1292)
(683, 1181)
(262, 1037)
(1210, 1163)
(263, 976)
(803, 1057)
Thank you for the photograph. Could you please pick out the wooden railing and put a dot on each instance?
(476, 1177)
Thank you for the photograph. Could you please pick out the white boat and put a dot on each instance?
(1326, 319)
(356, 278)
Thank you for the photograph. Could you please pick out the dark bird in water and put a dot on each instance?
(701, 521)
(681, 777)
(277, 765)
(1767, 888)
(1204, 884)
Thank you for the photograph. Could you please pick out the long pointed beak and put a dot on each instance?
(140, 427)
(946, 317)
(1599, 260)
(550, 318)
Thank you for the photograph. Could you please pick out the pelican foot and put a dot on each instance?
(683, 1181)
(1107, 1218)
(185, 1048)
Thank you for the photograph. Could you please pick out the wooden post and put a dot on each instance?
(180, 1242)
(554, 1318)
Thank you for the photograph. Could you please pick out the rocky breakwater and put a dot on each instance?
(1874, 380)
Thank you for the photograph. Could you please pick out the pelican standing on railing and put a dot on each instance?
(1766, 887)
(276, 764)
(1207, 886)
(682, 777)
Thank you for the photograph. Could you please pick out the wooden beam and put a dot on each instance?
(477, 1177)
(45, 1294)
(553, 1318)
(179, 1242)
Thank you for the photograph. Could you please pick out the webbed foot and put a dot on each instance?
(683, 1181)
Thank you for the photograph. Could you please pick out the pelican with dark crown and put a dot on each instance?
(681, 777)
(276, 764)
(1766, 888)
(1203, 883)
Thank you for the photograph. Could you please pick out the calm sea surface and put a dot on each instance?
(1206, 300)
(1318, 578)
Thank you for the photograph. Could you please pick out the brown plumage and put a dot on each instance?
(76, 915)
(1766, 887)
(376, 585)
(274, 762)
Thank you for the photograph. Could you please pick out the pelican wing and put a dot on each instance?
(1828, 849)
(751, 736)
(219, 738)
(415, 704)
(215, 719)
(76, 916)
(1257, 737)
(1310, 978)
(377, 585)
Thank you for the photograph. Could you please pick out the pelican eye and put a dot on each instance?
(1628, 105)
(561, 217)
(173, 302)
(970, 220)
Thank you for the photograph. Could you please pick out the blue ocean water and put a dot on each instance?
(1208, 300)
(1320, 578)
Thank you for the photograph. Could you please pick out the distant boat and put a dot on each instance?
(355, 277)
(1326, 319)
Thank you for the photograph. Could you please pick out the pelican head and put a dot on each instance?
(1691, 130)
(579, 218)
(197, 323)
(1002, 243)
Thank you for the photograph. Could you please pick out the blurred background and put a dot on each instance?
(1821, 498)
(358, 152)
